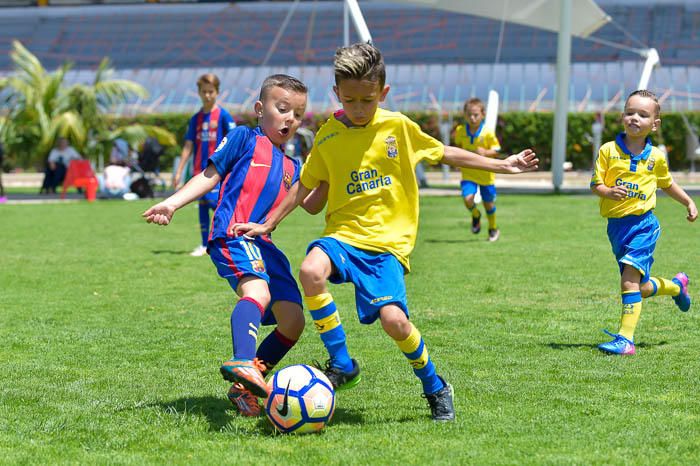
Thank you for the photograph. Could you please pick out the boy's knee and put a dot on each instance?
(395, 323)
(311, 273)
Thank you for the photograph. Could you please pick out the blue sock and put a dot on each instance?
(245, 320)
(273, 348)
(204, 221)
(327, 323)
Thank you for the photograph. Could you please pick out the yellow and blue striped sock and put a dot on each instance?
(664, 287)
(474, 211)
(414, 349)
(491, 216)
(631, 310)
(327, 323)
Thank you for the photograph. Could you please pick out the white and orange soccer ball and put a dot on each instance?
(302, 400)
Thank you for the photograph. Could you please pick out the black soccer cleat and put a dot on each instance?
(442, 403)
(476, 224)
(341, 380)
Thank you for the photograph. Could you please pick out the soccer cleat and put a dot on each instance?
(341, 380)
(247, 403)
(442, 403)
(619, 345)
(248, 374)
(683, 299)
(199, 251)
(476, 224)
(494, 234)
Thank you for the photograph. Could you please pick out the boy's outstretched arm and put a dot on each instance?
(525, 161)
(198, 186)
(678, 194)
(296, 195)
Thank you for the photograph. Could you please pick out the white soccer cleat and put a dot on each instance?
(199, 251)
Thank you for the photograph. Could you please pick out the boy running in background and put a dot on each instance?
(474, 137)
(205, 131)
(366, 158)
(627, 173)
(255, 176)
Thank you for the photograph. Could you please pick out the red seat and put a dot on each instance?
(80, 175)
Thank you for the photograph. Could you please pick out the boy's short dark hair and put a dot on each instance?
(284, 81)
(474, 101)
(361, 61)
(208, 78)
(648, 94)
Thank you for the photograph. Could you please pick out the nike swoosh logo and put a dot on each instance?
(285, 404)
(253, 164)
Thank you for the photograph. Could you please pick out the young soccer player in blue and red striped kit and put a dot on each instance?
(255, 176)
(205, 131)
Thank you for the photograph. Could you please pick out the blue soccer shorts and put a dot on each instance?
(378, 277)
(633, 239)
(488, 191)
(236, 258)
(210, 199)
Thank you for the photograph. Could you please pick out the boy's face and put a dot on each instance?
(208, 94)
(474, 115)
(280, 113)
(639, 117)
(360, 99)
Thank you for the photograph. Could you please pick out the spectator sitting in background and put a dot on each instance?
(56, 165)
(116, 179)
(120, 151)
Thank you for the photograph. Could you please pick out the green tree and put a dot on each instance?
(41, 108)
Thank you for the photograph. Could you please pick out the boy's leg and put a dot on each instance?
(245, 321)
(488, 194)
(623, 342)
(468, 192)
(203, 206)
(677, 288)
(290, 325)
(410, 342)
(314, 273)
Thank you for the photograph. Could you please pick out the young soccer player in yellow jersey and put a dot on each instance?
(366, 157)
(474, 137)
(627, 174)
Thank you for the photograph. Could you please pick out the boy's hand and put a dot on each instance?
(525, 161)
(692, 212)
(250, 230)
(160, 213)
(616, 193)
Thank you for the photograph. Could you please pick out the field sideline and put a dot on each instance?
(112, 337)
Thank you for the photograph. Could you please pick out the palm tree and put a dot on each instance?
(41, 109)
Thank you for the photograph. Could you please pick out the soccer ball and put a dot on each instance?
(301, 401)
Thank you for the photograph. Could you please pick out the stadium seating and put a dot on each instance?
(433, 55)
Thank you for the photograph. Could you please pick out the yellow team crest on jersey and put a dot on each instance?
(287, 181)
(650, 165)
(392, 149)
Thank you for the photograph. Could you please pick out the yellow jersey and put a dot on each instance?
(641, 174)
(483, 138)
(370, 170)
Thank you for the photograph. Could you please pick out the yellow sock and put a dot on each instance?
(664, 287)
(491, 216)
(631, 310)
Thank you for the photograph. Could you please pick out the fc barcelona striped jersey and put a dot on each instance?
(206, 130)
(255, 174)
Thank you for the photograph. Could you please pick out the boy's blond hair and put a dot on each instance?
(208, 78)
(361, 61)
(286, 82)
(474, 101)
(647, 94)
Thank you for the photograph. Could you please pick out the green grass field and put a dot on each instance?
(112, 337)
